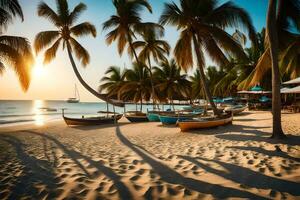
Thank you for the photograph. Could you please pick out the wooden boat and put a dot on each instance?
(48, 109)
(136, 116)
(186, 125)
(153, 116)
(92, 121)
(236, 109)
(173, 118)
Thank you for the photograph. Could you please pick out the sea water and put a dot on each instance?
(39, 112)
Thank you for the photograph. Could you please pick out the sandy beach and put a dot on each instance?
(149, 161)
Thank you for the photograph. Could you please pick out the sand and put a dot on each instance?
(149, 161)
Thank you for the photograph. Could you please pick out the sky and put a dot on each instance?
(56, 80)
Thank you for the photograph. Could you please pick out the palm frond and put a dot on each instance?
(45, 11)
(226, 42)
(20, 64)
(13, 7)
(44, 39)
(63, 10)
(230, 15)
(82, 29)
(2, 68)
(171, 15)
(263, 65)
(80, 52)
(183, 50)
(113, 22)
(50, 53)
(77, 11)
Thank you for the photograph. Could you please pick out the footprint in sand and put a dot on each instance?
(141, 171)
(250, 162)
(262, 170)
(135, 178)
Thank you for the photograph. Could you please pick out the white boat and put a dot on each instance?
(76, 98)
(236, 109)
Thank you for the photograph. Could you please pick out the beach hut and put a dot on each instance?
(257, 97)
(292, 82)
(293, 92)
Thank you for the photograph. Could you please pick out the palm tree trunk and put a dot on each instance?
(131, 47)
(152, 85)
(83, 83)
(203, 78)
(273, 42)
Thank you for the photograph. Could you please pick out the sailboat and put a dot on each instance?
(76, 98)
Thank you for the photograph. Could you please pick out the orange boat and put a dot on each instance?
(204, 123)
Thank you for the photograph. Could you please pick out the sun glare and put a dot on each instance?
(39, 68)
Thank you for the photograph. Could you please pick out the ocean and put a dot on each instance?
(39, 112)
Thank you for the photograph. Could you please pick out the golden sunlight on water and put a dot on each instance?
(39, 119)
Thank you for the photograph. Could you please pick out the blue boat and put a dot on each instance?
(172, 119)
(153, 117)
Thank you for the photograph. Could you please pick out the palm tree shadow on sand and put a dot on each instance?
(249, 133)
(254, 179)
(171, 176)
(32, 171)
(124, 192)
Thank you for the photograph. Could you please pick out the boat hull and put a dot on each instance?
(72, 101)
(153, 117)
(171, 120)
(135, 119)
(92, 121)
(194, 124)
(236, 111)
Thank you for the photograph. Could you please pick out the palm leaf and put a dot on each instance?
(45, 11)
(77, 11)
(82, 29)
(80, 52)
(44, 39)
(50, 54)
(263, 65)
(183, 50)
(18, 62)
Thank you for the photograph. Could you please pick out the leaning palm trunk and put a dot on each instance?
(273, 42)
(83, 83)
(132, 49)
(203, 79)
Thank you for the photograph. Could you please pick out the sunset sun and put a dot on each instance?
(39, 68)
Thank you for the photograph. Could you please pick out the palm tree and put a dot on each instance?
(286, 16)
(8, 10)
(113, 81)
(137, 85)
(152, 47)
(66, 32)
(274, 45)
(202, 25)
(171, 82)
(239, 72)
(15, 52)
(125, 23)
